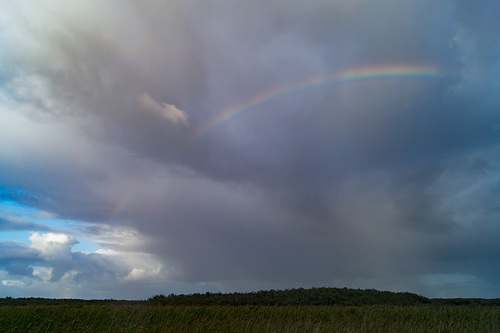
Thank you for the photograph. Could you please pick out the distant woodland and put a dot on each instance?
(314, 296)
(294, 297)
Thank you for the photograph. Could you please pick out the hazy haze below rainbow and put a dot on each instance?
(354, 74)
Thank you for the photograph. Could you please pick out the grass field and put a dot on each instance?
(118, 317)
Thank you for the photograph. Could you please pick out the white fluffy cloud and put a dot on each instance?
(53, 247)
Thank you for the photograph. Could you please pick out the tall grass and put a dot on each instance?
(148, 318)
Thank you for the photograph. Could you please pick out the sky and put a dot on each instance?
(156, 147)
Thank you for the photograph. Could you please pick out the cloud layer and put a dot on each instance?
(112, 121)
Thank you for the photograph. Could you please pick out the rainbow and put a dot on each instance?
(118, 208)
(380, 72)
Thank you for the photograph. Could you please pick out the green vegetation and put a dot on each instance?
(301, 296)
(296, 310)
(135, 318)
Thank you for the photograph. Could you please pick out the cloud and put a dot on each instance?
(50, 262)
(167, 111)
(16, 260)
(52, 246)
(383, 182)
(21, 224)
(55, 249)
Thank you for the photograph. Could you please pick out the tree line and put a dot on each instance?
(300, 296)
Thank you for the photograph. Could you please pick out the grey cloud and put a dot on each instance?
(17, 259)
(21, 224)
(480, 21)
(83, 69)
(15, 251)
(378, 181)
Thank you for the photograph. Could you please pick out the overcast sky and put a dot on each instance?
(156, 147)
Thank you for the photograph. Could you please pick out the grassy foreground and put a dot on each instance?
(117, 317)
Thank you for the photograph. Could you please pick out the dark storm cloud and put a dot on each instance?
(480, 22)
(391, 183)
